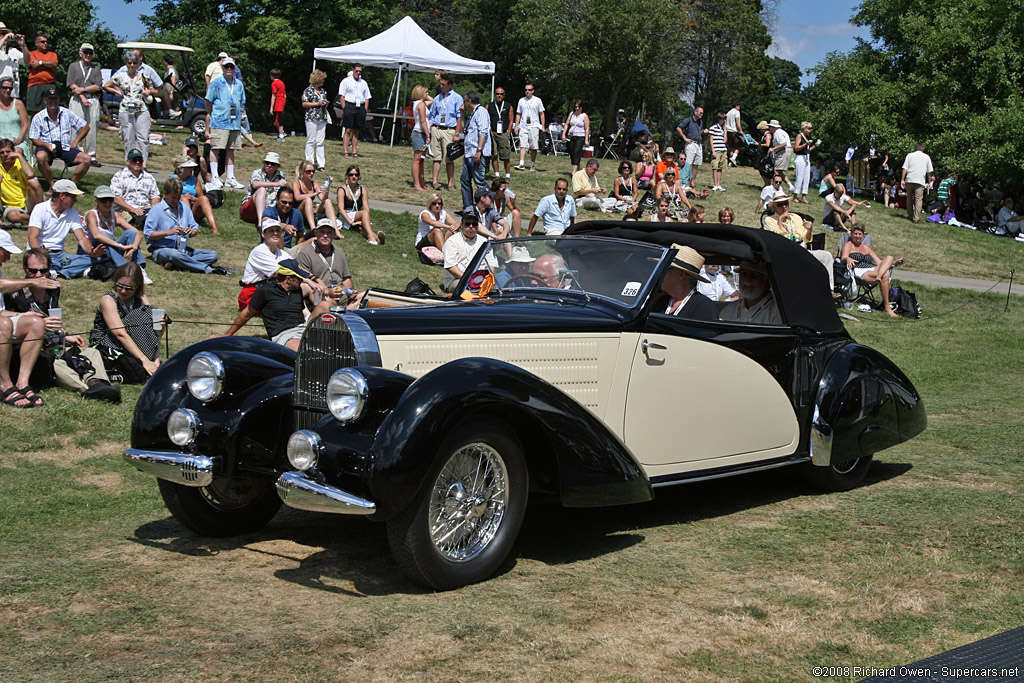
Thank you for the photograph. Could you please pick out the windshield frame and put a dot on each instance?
(653, 280)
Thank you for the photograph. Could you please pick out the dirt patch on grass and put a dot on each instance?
(107, 481)
(65, 455)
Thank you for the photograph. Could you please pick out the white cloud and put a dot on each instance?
(791, 49)
(838, 29)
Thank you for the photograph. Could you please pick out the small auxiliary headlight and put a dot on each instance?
(346, 394)
(182, 427)
(205, 376)
(304, 449)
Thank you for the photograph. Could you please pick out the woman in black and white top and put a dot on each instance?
(123, 329)
(314, 102)
(354, 207)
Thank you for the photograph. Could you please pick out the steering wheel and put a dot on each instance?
(527, 280)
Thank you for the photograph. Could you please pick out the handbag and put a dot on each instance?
(455, 150)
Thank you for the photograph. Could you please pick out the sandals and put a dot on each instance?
(30, 395)
(899, 262)
(12, 396)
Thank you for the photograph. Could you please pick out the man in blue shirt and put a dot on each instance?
(445, 128)
(478, 147)
(556, 210)
(169, 226)
(284, 212)
(691, 129)
(225, 105)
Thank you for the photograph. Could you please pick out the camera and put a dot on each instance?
(58, 149)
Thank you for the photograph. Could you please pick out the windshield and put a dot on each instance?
(608, 268)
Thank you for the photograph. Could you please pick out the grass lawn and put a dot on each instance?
(754, 578)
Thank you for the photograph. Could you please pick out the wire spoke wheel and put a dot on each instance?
(467, 503)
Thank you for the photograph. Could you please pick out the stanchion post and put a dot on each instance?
(1009, 289)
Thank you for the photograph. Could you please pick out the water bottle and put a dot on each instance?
(327, 183)
(349, 292)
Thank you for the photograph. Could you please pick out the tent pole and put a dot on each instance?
(492, 87)
(394, 114)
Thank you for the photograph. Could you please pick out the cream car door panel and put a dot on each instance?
(693, 404)
(580, 365)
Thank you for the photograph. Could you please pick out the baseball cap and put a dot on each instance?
(326, 223)
(470, 217)
(86, 46)
(65, 186)
(50, 92)
(222, 55)
(7, 244)
(270, 223)
(290, 266)
(482, 192)
(134, 154)
(103, 192)
(227, 61)
(191, 141)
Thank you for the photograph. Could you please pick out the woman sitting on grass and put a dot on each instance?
(354, 206)
(505, 204)
(311, 198)
(123, 328)
(435, 225)
(192, 192)
(866, 265)
(669, 187)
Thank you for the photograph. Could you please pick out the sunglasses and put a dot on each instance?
(36, 271)
(127, 288)
(283, 202)
(310, 170)
(105, 200)
(7, 87)
(437, 203)
(353, 175)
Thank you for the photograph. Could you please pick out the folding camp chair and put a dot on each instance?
(855, 291)
(609, 143)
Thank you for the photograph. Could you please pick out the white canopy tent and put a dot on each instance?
(405, 47)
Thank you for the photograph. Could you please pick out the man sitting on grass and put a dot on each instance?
(836, 217)
(135, 189)
(264, 184)
(284, 211)
(281, 306)
(18, 184)
(168, 228)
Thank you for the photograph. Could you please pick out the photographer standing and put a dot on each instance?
(11, 57)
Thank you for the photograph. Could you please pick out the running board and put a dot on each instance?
(706, 475)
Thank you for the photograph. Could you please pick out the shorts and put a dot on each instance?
(277, 119)
(67, 155)
(832, 219)
(245, 295)
(419, 141)
(732, 140)
(247, 211)
(283, 338)
(347, 217)
(354, 116)
(859, 272)
(34, 96)
(719, 161)
(694, 154)
(14, 324)
(529, 138)
(221, 138)
(782, 159)
(9, 209)
(503, 146)
(439, 139)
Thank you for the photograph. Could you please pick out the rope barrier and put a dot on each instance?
(969, 302)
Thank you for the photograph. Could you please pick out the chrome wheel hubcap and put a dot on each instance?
(467, 503)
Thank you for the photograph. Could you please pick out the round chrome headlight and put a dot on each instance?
(304, 449)
(182, 427)
(205, 376)
(346, 394)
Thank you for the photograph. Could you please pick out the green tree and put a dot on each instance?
(599, 51)
(787, 101)
(948, 73)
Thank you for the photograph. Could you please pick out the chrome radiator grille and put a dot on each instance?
(325, 348)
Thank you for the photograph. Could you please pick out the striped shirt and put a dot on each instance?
(717, 138)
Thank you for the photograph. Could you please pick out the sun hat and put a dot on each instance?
(763, 125)
(779, 197)
(520, 254)
(774, 123)
(272, 158)
(669, 150)
(689, 261)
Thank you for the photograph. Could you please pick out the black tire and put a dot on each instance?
(458, 559)
(841, 476)
(198, 124)
(228, 507)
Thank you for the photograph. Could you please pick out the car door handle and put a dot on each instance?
(653, 345)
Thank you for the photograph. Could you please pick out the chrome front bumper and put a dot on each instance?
(299, 491)
(188, 469)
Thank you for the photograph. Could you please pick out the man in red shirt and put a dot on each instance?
(277, 97)
(42, 73)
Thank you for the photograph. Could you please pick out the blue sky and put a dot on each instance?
(805, 32)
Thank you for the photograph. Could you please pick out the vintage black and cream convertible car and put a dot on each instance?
(440, 416)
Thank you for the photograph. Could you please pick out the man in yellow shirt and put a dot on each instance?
(585, 187)
(18, 184)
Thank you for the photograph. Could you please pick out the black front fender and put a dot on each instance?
(252, 415)
(567, 447)
(864, 404)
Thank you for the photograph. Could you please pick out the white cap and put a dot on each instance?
(7, 244)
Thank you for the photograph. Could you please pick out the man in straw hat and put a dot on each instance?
(756, 304)
(796, 228)
(679, 288)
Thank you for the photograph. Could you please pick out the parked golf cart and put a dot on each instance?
(191, 104)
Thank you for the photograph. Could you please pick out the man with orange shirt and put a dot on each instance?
(42, 73)
(668, 160)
